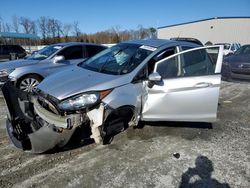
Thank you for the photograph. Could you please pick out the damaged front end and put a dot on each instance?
(36, 123)
(31, 127)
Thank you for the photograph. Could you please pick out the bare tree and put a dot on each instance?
(66, 29)
(42, 23)
(1, 24)
(33, 27)
(15, 23)
(143, 33)
(58, 26)
(26, 23)
(7, 27)
(76, 29)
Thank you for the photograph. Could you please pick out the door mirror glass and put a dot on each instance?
(154, 77)
(58, 58)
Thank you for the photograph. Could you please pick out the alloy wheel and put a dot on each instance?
(28, 84)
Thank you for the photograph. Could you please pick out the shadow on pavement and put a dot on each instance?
(200, 175)
(80, 138)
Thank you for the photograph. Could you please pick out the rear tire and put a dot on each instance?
(29, 83)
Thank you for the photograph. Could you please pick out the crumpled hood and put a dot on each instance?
(17, 63)
(77, 80)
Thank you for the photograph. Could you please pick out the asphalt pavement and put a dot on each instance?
(163, 154)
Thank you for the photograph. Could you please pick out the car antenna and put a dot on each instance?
(179, 35)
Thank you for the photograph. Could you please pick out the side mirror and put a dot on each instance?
(154, 78)
(58, 58)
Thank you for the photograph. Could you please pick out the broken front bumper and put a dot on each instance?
(33, 128)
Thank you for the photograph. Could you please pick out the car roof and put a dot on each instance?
(187, 39)
(151, 42)
(75, 43)
(157, 43)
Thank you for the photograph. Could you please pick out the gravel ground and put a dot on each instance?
(156, 155)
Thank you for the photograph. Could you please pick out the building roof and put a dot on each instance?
(203, 21)
(18, 35)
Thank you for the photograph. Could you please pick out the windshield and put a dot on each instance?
(45, 52)
(117, 60)
(243, 50)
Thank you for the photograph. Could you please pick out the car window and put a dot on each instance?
(72, 52)
(186, 48)
(45, 52)
(244, 50)
(193, 63)
(233, 47)
(141, 75)
(92, 50)
(17, 49)
(5, 50)
(159, 56)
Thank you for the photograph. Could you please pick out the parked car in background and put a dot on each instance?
(237, 66)
(26, 74)
(229, 48)
(142, 80)
(10, 52)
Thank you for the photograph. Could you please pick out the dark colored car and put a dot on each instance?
(10, 52)
(237, 66)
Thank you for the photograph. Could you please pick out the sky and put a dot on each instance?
(97, 15)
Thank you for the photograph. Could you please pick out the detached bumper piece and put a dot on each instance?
(30, 131)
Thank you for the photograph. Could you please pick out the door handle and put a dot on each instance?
(203, 85)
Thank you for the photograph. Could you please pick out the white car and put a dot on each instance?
(229, 48)
(141, 80)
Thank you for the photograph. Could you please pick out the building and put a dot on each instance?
(215, 30)
(27, 41)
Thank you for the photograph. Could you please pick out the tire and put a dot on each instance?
(116, 122)
(29, 83)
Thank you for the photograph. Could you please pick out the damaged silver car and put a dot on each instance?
(142, 80)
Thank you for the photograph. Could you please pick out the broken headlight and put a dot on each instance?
(82, 101)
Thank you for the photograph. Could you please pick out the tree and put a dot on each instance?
(76, 29)
(27, 24)
(7, 27)
(15, 23)
(66, 29)
(1, 24)
(153, 32)
(42, 23)
(33, 27)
